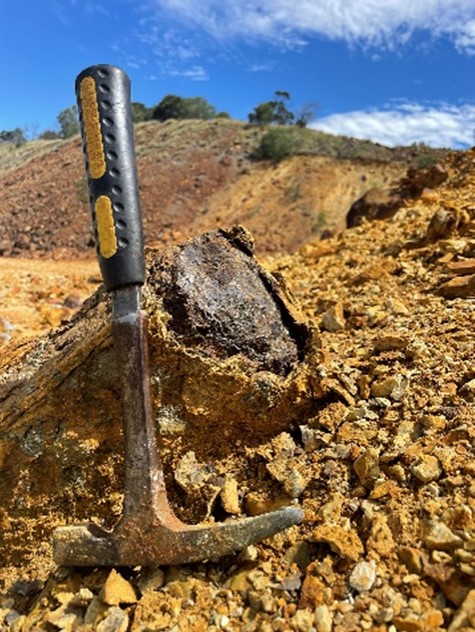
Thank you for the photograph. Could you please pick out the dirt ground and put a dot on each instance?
(383, 468)
(38, 295)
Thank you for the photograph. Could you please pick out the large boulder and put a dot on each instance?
(232, 363)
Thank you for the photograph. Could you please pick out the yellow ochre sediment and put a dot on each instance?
(106, 227)
(92, 128)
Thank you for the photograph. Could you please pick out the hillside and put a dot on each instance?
(194, 175)
(377, 445)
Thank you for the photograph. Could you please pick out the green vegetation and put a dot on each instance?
(279, 143)
(140, 112)
(320, 222)
(277, 112)
(423, 161)
(68, 121)
(174, 107)
(15, 136)
(273, 112)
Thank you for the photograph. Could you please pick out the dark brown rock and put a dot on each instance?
(417, 180)
(223, 303)
(384, 203)
(374, 204)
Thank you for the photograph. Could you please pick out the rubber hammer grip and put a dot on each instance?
(103, 95)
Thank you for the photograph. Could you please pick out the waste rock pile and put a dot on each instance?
(350, 390)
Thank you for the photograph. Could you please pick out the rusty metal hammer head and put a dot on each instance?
(148, 532)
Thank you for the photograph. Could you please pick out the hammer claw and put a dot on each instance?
(135, 544)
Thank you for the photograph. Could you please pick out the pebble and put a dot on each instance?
(6, 247)
(361, 411)
(285, 472)
(467, 391)
(412, 558)
(72, 301)
(230, 496)
(240, 581)
(115, 621)
(366, 467)
(464, 618)
(427, 469)
(323, 619)
(417, 350)
(392, 387)
(363, 576)
(94, 611)
(309, 438)
(459, 287)
(27, 588)
(117, 590)
(345, 542)
(333, 319)
(5, 330)
(64, 618)
(82, 598)
(434, 423)
(439, 537)
(189, 473)
(9, 616)
(391, 342)
(311, 594)
(5, 325)
(397, 307)
(249, 554)
(302, 621)
(150, 580)
(442, 224)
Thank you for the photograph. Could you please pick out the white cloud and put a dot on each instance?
(465, 39)
(386, 24)
(196, 73)
(404, 123)
(262, 67)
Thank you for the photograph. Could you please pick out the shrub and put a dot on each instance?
(279, 143)
(423, 161)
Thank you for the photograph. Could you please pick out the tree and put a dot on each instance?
(273, 112)
(199, 108)
(263, 114)
(68, 120)
(169, 107)
(14, 136)
(140, 112)
(179, 108)
(282, 115)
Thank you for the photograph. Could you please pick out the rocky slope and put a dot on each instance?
(381, 459)
(194, 176)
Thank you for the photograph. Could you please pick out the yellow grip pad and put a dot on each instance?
(92, 128)
(106, 227)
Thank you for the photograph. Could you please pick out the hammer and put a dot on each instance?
(148, 531)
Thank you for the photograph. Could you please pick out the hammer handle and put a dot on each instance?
(105, 113)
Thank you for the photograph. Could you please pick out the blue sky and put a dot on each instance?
(394, 71)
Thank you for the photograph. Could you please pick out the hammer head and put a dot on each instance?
(148, 542)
